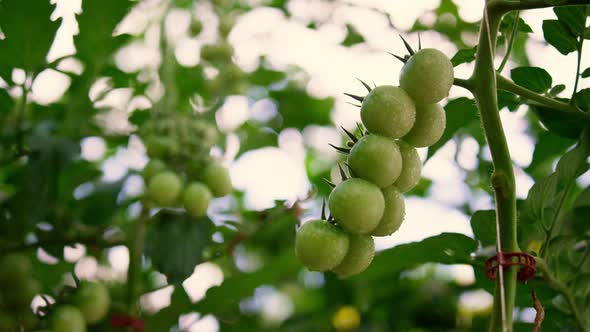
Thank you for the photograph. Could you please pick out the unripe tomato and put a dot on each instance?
(93, 300)
(394, 213)
(14, 268)
(412, 167)
(22, 292)
(226, 24)
(219, 52)
(67, 318)
(152, 168)
(165, 188)
(320, 246)
(357, 205)
(217, 178)
(160, 146)
(389, 111)
(361, 250)
(427, 76)
(376, 159)
(346, 319)
(196, 199)
(429, 127)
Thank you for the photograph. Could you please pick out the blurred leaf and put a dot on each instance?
(586, 73)
(583, 99)
(253, 136)
(265, 76)
(574, 17)
(164, 319)
(558, 34)
(446, 248)
(139, 116)
(460, 113)
(464, 56)
(508, 99)
(353, 37)
(226, 298)
(175, 243)
(96, 24)
(6, 102)
(533, 78)
(100, 205)
(75, 174)
(507, 23)
(548, 146)
(299, 109)
(29, 33)
(558, 123)
(483, 223)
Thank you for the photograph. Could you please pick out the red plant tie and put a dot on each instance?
(527, 263)
(123, 321)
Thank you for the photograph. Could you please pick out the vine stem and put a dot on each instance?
(580, 47)
(91, 240)
(135, 247)
(502, 179)
(510, 42)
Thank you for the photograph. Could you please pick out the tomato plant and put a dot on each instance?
(163, 164)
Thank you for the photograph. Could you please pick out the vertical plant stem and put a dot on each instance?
(580, 47)
(20, 147)
(484, 79)
(135, 247)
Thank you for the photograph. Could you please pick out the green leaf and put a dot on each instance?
(557, 89)
(175, 243)
(582, 99)
(508, 99)
(97, 23)
(586, 73)
(574, 17)
(460, 113)
(99, 207)
(533, 78)
(29, 33)
(353, 37)
(6, 102)
(226, 298)
(139, 116)
(446, 248)
(508, 21)
(464, 56)
(483, 223)
(253, 136)
(559, 36)
(166, 318)
(299, 109)
(547, 148)
(556, 122)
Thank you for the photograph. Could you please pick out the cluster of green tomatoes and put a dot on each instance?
(180, 170)
(383, 164)
(86, 304)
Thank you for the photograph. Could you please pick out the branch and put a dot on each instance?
(466, 84)
(503, 6)
(561, 288)
(135, 247)
(507, 85)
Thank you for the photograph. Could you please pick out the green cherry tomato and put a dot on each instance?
(152, 168)
(376, 159)
(165, 188)
(427, 76)
(93, 300)
(14, 268)
(389, 111)
(226, 24)
(320, 246)
(361, 251)
(217, 178)
(67, 318)
(429, 127)
(357, 205)
(412, 167)
(196, 199)
(394, 213)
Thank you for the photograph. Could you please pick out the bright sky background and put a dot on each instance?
(278, 172)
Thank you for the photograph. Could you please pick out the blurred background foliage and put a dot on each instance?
(70, 156)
